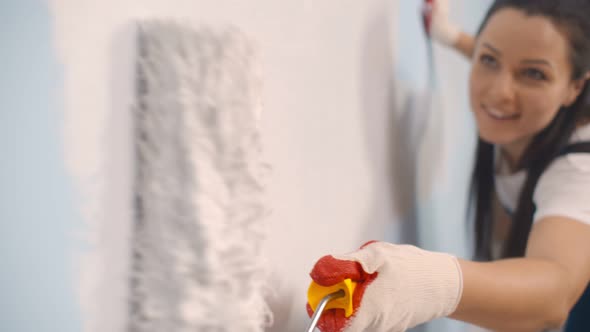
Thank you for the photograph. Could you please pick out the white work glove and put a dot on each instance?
(437, 23)
(398, 287)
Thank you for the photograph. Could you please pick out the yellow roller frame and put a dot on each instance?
(316, 293)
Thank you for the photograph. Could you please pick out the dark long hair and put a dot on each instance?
(571, 17)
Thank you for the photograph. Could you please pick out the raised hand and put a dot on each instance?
(435, 14)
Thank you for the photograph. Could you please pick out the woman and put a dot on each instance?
(530, 98)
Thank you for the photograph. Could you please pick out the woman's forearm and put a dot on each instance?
(465, 45)
(523, 294)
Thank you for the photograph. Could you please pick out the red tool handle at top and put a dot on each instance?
(427, 15)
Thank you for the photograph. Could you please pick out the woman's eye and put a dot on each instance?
(535, 74)
(488, 60)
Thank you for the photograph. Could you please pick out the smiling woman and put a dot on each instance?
(536, 72)
(529, 96)
(531, 182)
(520, 79)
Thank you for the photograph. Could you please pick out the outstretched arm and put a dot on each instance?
(400, 286)
(531, 293)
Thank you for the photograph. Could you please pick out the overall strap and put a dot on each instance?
(579, 318)
(580, 147)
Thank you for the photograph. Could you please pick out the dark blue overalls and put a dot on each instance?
(579, 319)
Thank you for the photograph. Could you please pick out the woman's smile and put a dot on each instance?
(499, 115)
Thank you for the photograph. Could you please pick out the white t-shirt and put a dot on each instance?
(563, 189)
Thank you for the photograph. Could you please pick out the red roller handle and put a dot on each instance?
(427, 15)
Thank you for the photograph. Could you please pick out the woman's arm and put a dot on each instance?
(531, 293)
(441, 29)
(465, 44)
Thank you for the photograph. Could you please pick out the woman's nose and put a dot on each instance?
(502, 89)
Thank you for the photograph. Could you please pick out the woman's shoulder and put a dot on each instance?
(564, 187)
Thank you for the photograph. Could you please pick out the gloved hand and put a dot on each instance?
(436, 22)
(398, 287)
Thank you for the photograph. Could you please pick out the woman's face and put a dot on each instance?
(520, 78)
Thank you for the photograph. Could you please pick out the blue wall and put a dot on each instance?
(37, 216)
(441, 213)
